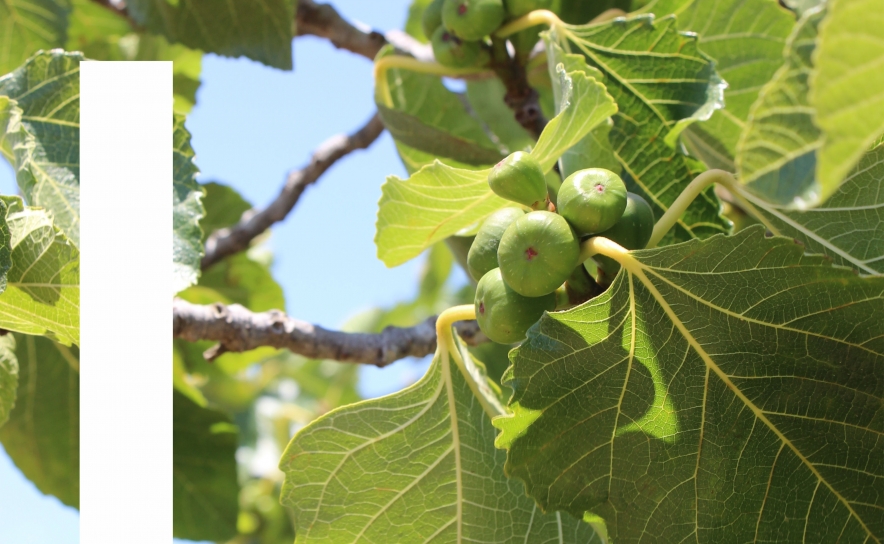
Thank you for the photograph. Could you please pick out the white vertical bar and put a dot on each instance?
(125, 304)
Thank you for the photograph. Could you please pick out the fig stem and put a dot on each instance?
(448, 348)
(536, 17)
(599, 245)
(383, 64)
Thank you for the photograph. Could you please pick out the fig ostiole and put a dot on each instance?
(503, 314)
(482, 257)
(519, 178)
(432, 18)
(537, 253)
(632, 231)
(592, 200)
(472, 20)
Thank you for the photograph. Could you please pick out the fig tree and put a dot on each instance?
(537, 253)
(503, 314)
(483, 253)
(472, 19)
(632, 231)
(432, 18)
(519, 178)
(450, 50)
(592, 200)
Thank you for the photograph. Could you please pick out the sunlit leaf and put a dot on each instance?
(28, 26)
(725, 390)
(187, 245)
(8, 376)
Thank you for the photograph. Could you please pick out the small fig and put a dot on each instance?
(537, 253)
(503, 314)
(450, 50)
(483, 253)
(472, 19)
(592, 200)
(432, 18)
(632, 231)
(519, 178)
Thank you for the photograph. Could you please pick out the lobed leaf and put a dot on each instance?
(28, 26)
(42, 136)
(43, 285)
(661, 83)
(205, 490)
(726, 390)
(236, 29)
(187, 194)
(847, 87)
(42, 435)
(439, 200)
(415, 466)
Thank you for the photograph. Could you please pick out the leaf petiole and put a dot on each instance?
(383, 64)
(537, 17)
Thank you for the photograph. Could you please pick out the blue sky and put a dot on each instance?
(250, 126)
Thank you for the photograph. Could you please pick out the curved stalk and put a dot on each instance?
(537, 17)
(410, 63)
(697, 186)
(599, 245)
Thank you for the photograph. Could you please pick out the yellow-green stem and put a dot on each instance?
(697, 186)
(383, 64)
(537, 17)
(599, 245)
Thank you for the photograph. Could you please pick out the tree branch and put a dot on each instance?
(237, 238)
(237, 329)
(324, 21)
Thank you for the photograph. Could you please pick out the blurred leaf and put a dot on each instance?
(847, 87)
(776, 154)
(243, 281)
(42, 436)
(182, 381)
(704, 396)
(438, 201)
(5, 236)
(95, 31)
(43, 285)
(239, 29)
(579, 12)
(413, 25)
(224, 207)
(186, 67)
(486, 99)
(414, 466)
(647, 63)
(28, 26)
(8, 376)
(205, 488)
(43, 135)
(187, 240)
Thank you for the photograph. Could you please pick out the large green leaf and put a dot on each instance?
(776, 154)
(726, 390)
(440, 200)
(204, 485)
(847, 86)
(44, 138)
(662, 83)
(42, 436)
(187, 237)
(415, 466)
(848, 227)
(43, 286)
(29, 25)
(238, 28)
(8, 376)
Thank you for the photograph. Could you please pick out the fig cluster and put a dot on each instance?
(458, 29)
(522, 256)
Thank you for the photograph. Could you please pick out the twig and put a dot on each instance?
(324, 21)
(237, 329)
(237, 238)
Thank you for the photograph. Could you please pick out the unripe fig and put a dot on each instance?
(432, 18)
(519, 178)
(450, 50)
(472, 19)
(517, 8)
(482, 257)
(632, 231)
(503, 314)
(537, 253)
(592, 200)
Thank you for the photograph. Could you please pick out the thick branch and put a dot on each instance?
(237, 238)
(237, 329)
(324, 21)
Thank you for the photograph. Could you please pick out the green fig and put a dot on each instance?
(519, 178)
(472, 19)
(432, 18)
(592, 200)
(503, 314)
(483, 253)
(632, 231)
(537, 253)
(450, 50)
